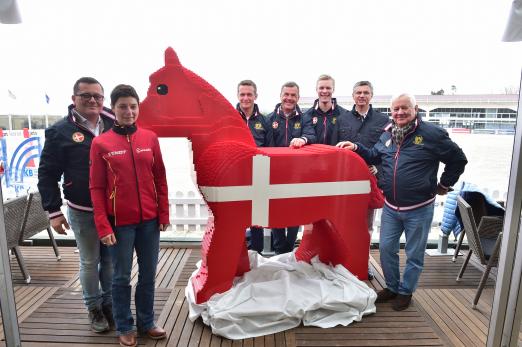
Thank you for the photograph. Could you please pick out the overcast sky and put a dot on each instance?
(400, 45)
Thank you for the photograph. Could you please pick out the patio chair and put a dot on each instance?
(478, 206)
(36, 220)
(14, 210)
(484, 242)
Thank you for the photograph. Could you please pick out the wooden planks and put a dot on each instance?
(44, 268)
(52, 313)
(441, 272)
(62, 318)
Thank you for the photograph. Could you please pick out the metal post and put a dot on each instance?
(505, 323)
(7, 300)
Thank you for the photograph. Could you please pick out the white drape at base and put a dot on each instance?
(279, 293)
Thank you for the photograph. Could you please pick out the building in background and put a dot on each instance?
(477, 113)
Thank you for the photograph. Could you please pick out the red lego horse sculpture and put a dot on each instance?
(244, 185)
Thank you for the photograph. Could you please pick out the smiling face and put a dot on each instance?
(325, 89)
(88, 100)
(247, 97)
(126, 110)
(362, 95)
(289, 99)
(403, 111)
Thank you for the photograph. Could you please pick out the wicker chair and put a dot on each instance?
(14, 211)
(478, 206)
(484, 242)
(35, 220)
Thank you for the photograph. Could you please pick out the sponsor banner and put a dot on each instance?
(20, 152)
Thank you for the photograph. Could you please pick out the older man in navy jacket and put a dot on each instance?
(410, 151)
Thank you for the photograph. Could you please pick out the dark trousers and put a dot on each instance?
(255, 239)
(283, 239)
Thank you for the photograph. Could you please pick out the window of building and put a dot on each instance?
(37, 122)
(20, 122)
(4, 122)
(53, 119)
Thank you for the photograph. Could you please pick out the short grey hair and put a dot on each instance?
(412, 99)
(361, 84)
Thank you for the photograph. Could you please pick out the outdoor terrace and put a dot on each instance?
(51, 311)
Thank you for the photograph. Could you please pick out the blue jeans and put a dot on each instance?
(95, 260)
(144, 238)
(416, 225)
(283, 239)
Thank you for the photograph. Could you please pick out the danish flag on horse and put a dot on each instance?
(243, 185)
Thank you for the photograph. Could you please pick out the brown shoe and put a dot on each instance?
(385, 295)
(401, 302)
(156, 333)
(128, 340)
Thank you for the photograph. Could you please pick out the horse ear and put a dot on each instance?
(171, 58)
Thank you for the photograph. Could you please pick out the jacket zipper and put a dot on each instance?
(395, 172)
(136, 176)
(396, 162)
(286, 132)
(114, 190)
(113, 197)
(324, 125)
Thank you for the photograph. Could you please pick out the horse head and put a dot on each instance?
(179, 103)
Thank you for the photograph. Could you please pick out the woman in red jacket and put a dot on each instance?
(130, 199)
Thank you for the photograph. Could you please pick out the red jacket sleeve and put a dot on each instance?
(160, 181)
(98, 186)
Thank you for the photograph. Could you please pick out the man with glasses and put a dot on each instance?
(66, 153)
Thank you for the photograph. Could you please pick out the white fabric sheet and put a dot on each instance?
(278, 293)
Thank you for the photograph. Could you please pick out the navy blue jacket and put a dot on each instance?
(321, 127)
(367, 132)
(259, 127)
(66, 152)
(410, 168)
(284, 129)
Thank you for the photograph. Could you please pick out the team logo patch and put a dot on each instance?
(139, 150)
(334, 119)
(314, 120)
(297, 125)
(78, 137)
(275, 125)
(258, 126)
(418, 140)
(388, 143)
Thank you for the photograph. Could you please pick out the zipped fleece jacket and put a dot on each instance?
(66, 152)
(285, 129)
(127, 179)
(259, 127)
(410, 168)
(321, 127)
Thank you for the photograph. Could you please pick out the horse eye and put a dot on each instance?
(162, 89)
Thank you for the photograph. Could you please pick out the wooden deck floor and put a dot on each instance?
(51, 311)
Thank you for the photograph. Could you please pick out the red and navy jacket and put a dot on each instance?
(127, 179)
(410, 168)
(66, 152)
(284, 129)
(321, 127)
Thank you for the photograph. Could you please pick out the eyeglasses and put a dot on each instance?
(87, 97)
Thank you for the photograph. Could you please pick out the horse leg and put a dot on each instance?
(352, 229)
(342, 239)
(224, 256)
